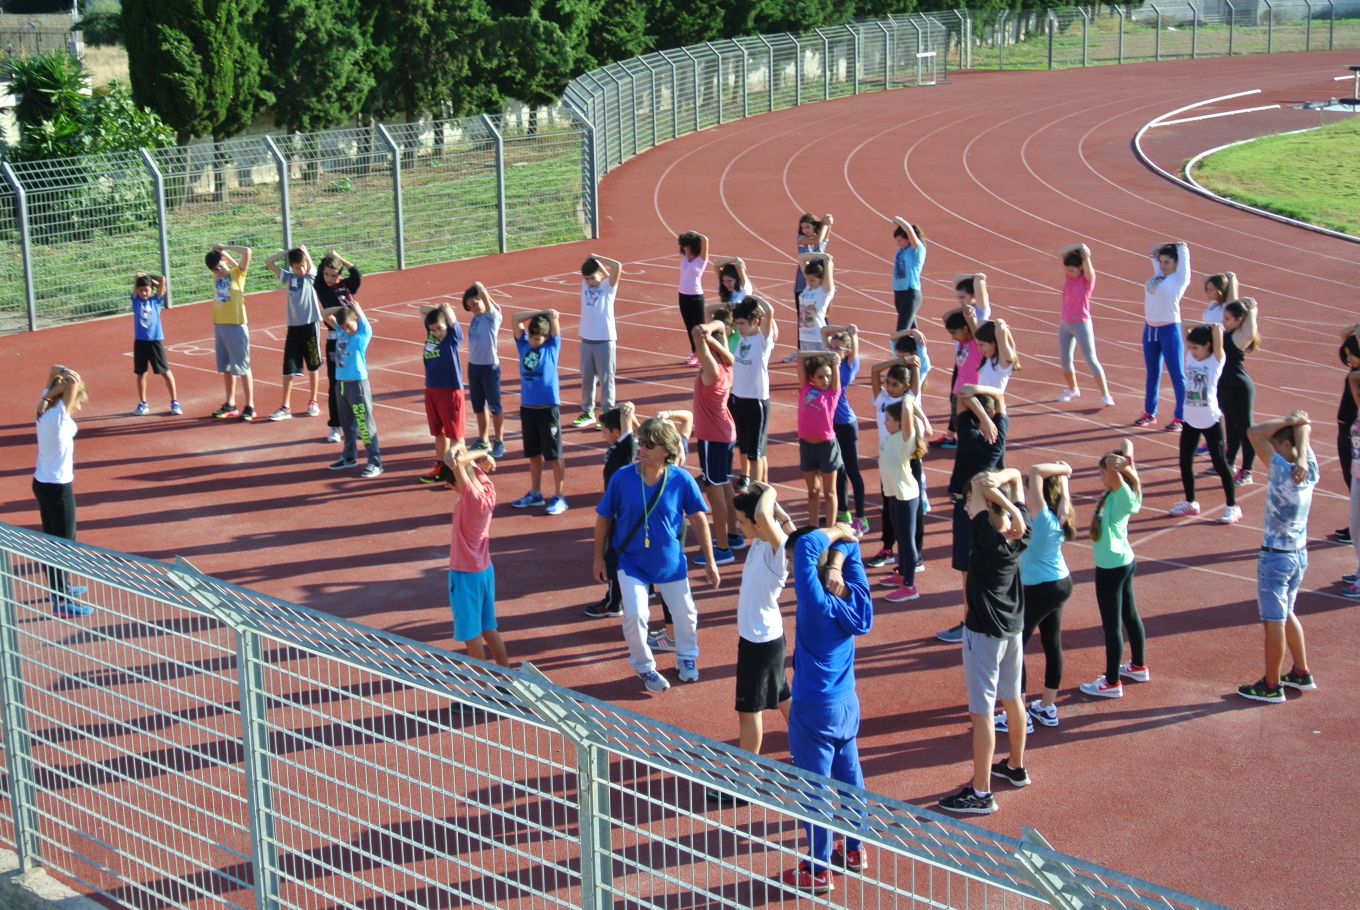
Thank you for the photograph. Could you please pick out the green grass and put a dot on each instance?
(1309, 176)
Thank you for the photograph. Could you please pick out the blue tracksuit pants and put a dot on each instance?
(822, 740)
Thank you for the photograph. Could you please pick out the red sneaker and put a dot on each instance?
(435, 474)
(802, 879)
(849, 860)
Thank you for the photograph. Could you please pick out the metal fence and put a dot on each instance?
(195, 744)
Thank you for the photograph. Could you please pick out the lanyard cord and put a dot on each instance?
(647, 509)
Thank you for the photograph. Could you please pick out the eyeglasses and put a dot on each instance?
(649, 444)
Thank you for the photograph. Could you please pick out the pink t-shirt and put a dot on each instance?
(692, 275)
(470, 550)
(1076, 305)
(712, 421)
(816, 413)
(968, 359)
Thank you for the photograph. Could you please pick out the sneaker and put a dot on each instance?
(1259, 691)
(892, 580)
(1103, 689)
(1046, 716)
(227, 410)
(953, 636)
(1146, 420)
(692, 360)
(603, 609)
(371, 471)
(659, 640)
(903, 592)
(736, 541)
(434, 474)
(532, 498)
(65, 609)
(1137, 674)
(1107, 401)
(557, 505)
(1350, 578)
(944, 441)
(1176, 425)
(792, 358)
(1242, 478)
(1350, 591)
(585, 420)
(879, 559)
(343, 462)
(480, 445)
(861, 526)
(968, 802)
(1185, 508)
(498, 449)
(248, 413)
(920, 567)
(655, 682)
(849, 860)
(1231, 515)
(1069, 394)
(721, 557)
(1018, 777)
(283, 413)
(1301, 681)
(1002, 723)
(335, 435)
(175, 408)
(803, 879)
(688, 670)
(1203, 449)
(313, 409)
(142, 410)
(741, 484)
(79, 590)
(1343, 535)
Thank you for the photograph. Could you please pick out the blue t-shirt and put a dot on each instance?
(907, 267)
(538, 371)
(824, 646)
(442, 367)
(1042, 560)
(351, 352)
(844, 413)
(625, 500)
(1287, 504)
(146, 318)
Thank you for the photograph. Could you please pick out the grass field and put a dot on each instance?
(1310, 176)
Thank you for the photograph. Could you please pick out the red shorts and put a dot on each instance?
(444, 411)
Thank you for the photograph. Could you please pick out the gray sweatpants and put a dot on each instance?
(597, 363)
(356, 417)
(1083, 334)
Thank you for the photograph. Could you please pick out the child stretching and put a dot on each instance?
(996, 350)
(484, 367)
(813, 234)
(443, 384)
(1219, 291)
(901, 492)
(716, 433)
(1236, 391)
(749, 404)
(599, 287)
(819, 456)
(890, 381)
(814, 301)
(1162, 332)
(906, 277)
(734, 285)
(538, 339)
(302, 343)
(971, 291)
(356, 399)
(693, 262)
(844, 340)
(1074, 322)
(1203, 365)
(334, 291)
(1346, 413)
(148, 339)
(472, 577)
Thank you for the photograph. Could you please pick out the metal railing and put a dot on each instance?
(193, 743)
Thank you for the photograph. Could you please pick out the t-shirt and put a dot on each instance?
(351, 352)
(907, 263)
(894, 466)
(844, 413)
(1201, 391)
(816, 410)
(692, 275)
(737, 295)
(470, 550)
(813, 304)
(597, 311)
(1162, 293)
(146, 318)
(229, 298)
(302, 305)
(995, 596)
(824, 646)
(881, 402)
(805, 245)
(443, 370)
(341, 294)
(751, 366)
(712, 421)
(538, 371)
(625, 499)
(1076, 298)
(974, 453)
(1043, 560)
(993, 375)
(968, 359)
(483, 338)
(56, 446)
(762, 578)
(1213, 314)
(1113, 549)
(619, 455)
(1287, 504)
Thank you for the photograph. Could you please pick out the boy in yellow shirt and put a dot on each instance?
(231, 332)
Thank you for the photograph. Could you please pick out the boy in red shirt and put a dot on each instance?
(472, 578)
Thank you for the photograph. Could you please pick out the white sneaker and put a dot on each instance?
(1046, 716)
(1107, 400)
(313, 409)
(334, 435)
(689, 671)
(1101, 689)
(656, 683)
(1231, 515)
(373, 470)
(1069, 394)
(1137, 674)
(1185, 508)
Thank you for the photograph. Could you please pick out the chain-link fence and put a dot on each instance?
(195, 744)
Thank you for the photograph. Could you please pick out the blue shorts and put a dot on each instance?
(715, 461)
(484, 387)
(472, 595)
(1278, 579)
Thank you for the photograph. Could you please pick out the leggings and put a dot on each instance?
(1043, 610)
(1213, 437)
(1343, 451)
(692, 312)
(889, 532)
(847, 437)
(1164, 342)
(1118, 611)
(905, 513)
(918, 472)
(1237, 399)
(908, 303)
(332, 395)
(1071, 334)
(57, 506)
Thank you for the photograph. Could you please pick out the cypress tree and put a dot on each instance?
(314, 54)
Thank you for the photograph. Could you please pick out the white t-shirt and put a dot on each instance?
(1201, 391)
(741, 293)
(762, 578)
(751, 367)
(881, 402)
(597, 312)
(1213, 315)
(994, 377)
(56, 446)
(812, 306)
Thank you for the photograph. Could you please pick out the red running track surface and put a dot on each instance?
(1182, 782)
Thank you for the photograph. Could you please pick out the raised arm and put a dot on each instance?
(1244, 333)
(1034, 489)
(682, 420)
(1260, 435)
(768, 326)
(1087, 269)
(519, 319)
(271, 262)
(905, 225)
(825, 230)
(612, 267)
(980, 292)
(242, 254)
(1217, 330)
(1005, 343)
(852, 330)
(485, 296)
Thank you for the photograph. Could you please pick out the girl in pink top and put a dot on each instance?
(1074, 326)
(819, 454)
(693, 263)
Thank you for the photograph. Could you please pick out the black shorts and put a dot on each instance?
(541, 430)
(761, 681)
(302, 346)
(962, 553)
(823, 457)
(149, 353)
(752, 417)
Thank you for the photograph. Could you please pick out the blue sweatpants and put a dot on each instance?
(822, 740)
(1163, 342)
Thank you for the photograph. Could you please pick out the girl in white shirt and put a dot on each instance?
(814, 302)
(54, 477)
(1162, 332)
(1219, 290)
(997, 347)
(1203, 365)
(693, 263)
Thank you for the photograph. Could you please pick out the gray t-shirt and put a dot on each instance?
(302, 306)
(483, 337)
(1287, 504)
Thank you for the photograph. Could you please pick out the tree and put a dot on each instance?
(314, 54)
(423, 57)
(620, 32)
(531, 60)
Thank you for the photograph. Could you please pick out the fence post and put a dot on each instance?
(797, 71)
(396, 193)
(1052, 22)
(285, 200)
(717, 58)
(158, 184)
(632, 99)
(500, 177)
(919, 50)
(854, 49)
(675, 98)
(745, 83)
(1052, 879)
(886, 52)
(1194, 30)
(826, 65)
(1270, 27)
(1001, 39)
(1157, 34)
(769, 72)
(589, 172)
(1120, 11)
(27, 845)
(1232, 24)
(257, 750)
(1331, 23)
(655, 97)
(25, 242)
(1085, 35)
(694, 66)
(1308, 26)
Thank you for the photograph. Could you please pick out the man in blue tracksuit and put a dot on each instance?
(833, 607)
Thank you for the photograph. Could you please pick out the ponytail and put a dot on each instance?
(1096, 517)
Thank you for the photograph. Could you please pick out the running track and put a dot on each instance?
(1181, 782)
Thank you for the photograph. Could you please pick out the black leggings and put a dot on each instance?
(890, 532)
(1343, 452)
(57, 506)
(1043, 610)
(907, 303)
(1118, 611)
(692, 312)
(1237, 399)
(905, 514)
(332, 394)
(1213, 437)
(847, 437)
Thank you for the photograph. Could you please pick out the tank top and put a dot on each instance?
(1346, 414)
(1234, 364)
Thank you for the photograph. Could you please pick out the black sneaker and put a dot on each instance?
(1302, 681)
(1017, 776)
(879, 559)
(968, 802)
(1343, 535)
(603, 609)
(741, 484)
(1259, 691)
(248, 413)
(723, 799)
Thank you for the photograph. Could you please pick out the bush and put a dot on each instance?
(102, 27)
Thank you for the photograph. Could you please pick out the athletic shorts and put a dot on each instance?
(752, 417)
(233, 349)
(484, 387)
(1278, 579)
(761, 681)
(715, 462)
(961, 554)
(541, 430)
(472, 596)
(991, 669)
(149, 353)
(444, 412)
(824, 456)
(302, 347)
